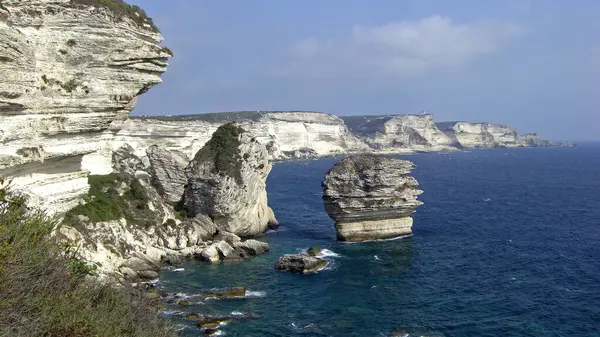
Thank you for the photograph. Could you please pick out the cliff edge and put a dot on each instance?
(69, 68)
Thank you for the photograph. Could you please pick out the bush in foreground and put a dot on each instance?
(45, 291)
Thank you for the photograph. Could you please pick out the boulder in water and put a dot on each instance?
(300, 263)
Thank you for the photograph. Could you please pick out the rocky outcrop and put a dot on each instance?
(400, 133)
(69, 68)
(371, 197)
(167, 171)
(300, 263)
(227, 181)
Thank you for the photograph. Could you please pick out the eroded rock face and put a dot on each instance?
(68, 70)
(167, 169)
(371, 197)
(227, 181)
(397, 133)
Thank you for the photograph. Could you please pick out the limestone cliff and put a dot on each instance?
(399, 133)
(300, 134)
(68, 68)
(227, 181)
(371, 197)
(487, 135)
(127, 228)
(471, 135)
(286, 134)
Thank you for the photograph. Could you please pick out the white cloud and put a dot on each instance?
(397, 49)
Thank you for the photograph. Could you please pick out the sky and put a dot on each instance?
(532, 64)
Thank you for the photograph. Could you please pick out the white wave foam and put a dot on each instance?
(251, 293)
(171, 312)
(178, 269)
(328, 253)
(152, 282)
(378, 240)
(237, 314)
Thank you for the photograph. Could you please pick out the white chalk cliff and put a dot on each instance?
(400, 133)
(67, 70)
(286, 134)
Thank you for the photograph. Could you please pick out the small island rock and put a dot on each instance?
(371, 197)
(300, 263)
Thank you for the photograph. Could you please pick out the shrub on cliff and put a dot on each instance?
(105, 200)
(121, 8)
(223, 150)
(44, 290)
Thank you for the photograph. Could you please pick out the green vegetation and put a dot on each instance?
(44, 290)
(71, 42)
(223, 148)
(70, 85)
(121, 9)
(62, 52)
(107, 201)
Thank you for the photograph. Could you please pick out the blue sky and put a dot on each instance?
(533, 64)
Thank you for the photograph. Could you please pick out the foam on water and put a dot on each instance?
(253, 294)
(328, 253)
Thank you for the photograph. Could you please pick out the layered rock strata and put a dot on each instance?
(127, 228)
(371, 197)
(401, 133)
(293, 134)
(227, 181)
(68, 69)
(487, 135)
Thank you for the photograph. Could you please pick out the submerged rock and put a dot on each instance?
(227, 181)
(234, 292)
(371, 197)
(300, 263)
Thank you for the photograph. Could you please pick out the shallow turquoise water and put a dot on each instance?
(506, 244)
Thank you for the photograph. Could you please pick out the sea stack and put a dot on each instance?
(371, 197)
(227, 182)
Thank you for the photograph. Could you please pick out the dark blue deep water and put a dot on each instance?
(506, 244)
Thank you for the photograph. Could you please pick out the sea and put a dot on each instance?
(507, 243)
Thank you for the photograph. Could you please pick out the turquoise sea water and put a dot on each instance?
(506, 244)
